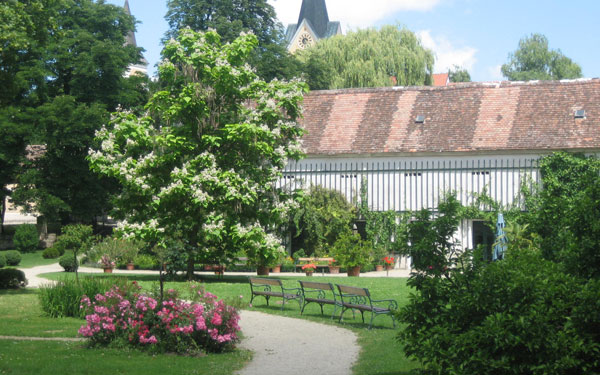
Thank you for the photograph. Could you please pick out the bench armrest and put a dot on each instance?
(392, 304)
(298, 290)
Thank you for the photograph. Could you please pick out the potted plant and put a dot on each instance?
(265, 256)
(333, 266)
(107, 263)
(352, 252)
(389, 262)
(309, 268)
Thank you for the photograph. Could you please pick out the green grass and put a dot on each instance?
(51, 358)
(21, 315)
(30, 260)
(381, 353)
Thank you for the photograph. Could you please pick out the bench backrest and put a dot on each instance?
(264, 281)
(345, 289)
(315, 285)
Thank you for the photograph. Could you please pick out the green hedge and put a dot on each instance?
(26, 238)
(13, 257)
(12, 278)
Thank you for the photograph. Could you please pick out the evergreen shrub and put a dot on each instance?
(13, 257)
(51, 253)
(2, 260)
(12, 278)
(69, 262)
(26, 238)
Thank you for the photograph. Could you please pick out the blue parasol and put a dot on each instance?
(500, 244)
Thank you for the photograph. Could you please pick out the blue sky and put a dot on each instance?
(475, 34)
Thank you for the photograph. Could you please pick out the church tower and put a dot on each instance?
(142, 66)
(313, 25)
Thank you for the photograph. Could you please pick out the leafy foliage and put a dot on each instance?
(26, 238)
(368, 58)
(69, 261)
(458, 74)
(2, 260)
(532, 312)
(534, 61)
(321, 216)
(13, 257)
(201, 169)
(229, 18)
(51, 253)
(12, 278)
(349, 250)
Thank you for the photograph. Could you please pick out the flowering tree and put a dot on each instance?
(200, 167)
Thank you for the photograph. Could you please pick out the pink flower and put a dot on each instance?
(200, 324)
(216, 319)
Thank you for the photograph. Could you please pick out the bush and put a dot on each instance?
(2, 260)
(69, 262)
(350, 251)
(77, 238)
(64, 298)
(26, 238)
(12, 278)
(146, 262)
(122, 251)
(171, 326)
(13, 257)
(51, 253)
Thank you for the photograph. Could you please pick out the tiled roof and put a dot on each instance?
(470, 117)
(440, 79)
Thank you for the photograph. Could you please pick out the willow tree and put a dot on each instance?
(368, 58)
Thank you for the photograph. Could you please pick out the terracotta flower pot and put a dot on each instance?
(354, 271)
(389, 267)
(379, 267)
(276, 269)
(130, 266)
(334, 269)
(108, 270)
(309, 273)
(262, 270)
(219, 270)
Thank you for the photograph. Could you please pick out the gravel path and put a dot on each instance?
(296, 346)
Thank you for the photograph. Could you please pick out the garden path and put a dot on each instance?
(280, 344)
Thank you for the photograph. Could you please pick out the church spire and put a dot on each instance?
(315, 11)
(130, 39)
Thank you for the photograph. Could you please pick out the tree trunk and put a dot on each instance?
(190, 268)
(2, 213)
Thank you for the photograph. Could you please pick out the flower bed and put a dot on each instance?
(131, 318)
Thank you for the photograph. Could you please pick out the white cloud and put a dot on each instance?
(353, 13)
(446, 54)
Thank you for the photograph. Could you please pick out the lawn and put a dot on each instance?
(380, 353)
(30, 260)
(20, 315)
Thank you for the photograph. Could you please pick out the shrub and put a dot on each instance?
(350, 251)
(2, 260)
(13, 257)
(51, 253)
(26, 238)
(69, 262)
(146, 262)
(77, 238)
(64, 298)
(171, 326)
(120, 250)
(12, 278)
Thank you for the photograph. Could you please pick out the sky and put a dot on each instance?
(477, 35)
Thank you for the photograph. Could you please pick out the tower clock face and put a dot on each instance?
(305, 40)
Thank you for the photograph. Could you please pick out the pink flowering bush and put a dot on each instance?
(170, 325)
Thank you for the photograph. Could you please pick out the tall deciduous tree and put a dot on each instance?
(66, 87)
(231, 17)
(202, 168)
(533, 60)
(368, 58)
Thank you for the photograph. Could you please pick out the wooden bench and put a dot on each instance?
(320, 293)
(353, 298)
(273, 288)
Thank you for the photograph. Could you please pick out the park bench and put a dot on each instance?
(354, 298)
(320, 293)
(273, 288)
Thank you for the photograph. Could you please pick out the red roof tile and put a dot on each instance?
(441, 79)
(464, 117)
